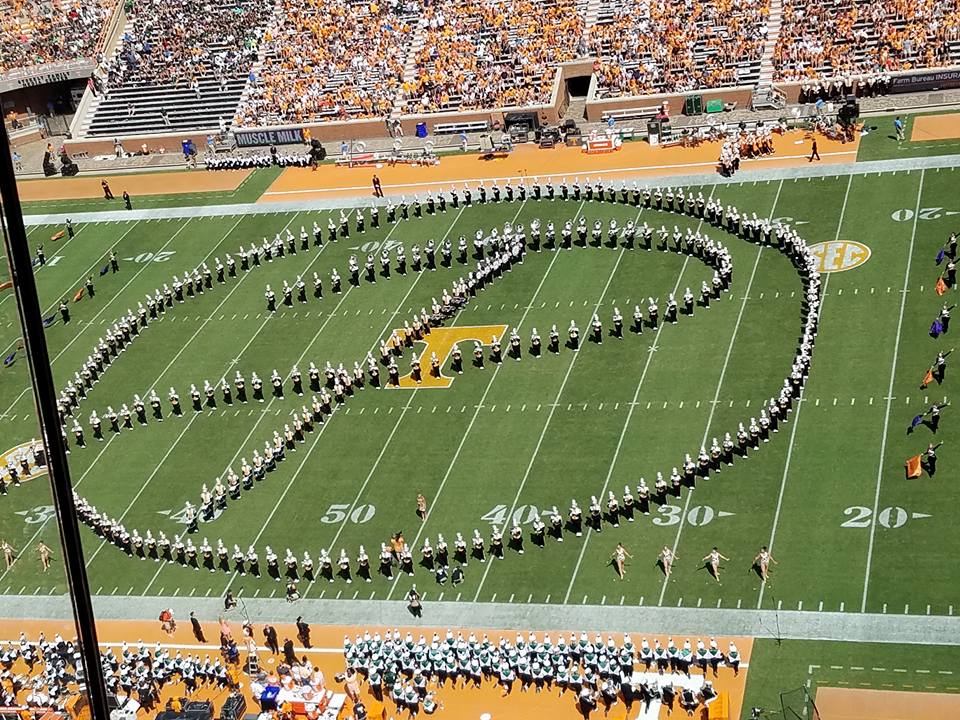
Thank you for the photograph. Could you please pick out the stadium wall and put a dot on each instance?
(336, 131)
(597, 107)
(915, 81)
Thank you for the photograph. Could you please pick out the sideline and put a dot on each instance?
(652, 620)
(709, 179)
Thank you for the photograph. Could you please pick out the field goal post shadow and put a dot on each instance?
(798, 704)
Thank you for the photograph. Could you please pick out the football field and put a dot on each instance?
(510, 441)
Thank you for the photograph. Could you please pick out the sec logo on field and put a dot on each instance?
(840, 255)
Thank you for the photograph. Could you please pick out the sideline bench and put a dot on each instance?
(637, 113)
(457, 127)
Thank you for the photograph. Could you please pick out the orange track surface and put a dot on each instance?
(157, 183)
(632, 160)
(857, 704)
(327, 643)
(935, 127)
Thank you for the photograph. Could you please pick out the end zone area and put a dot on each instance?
(173, 182)
(855, 704)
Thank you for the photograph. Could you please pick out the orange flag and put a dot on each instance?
(941, 286)
(927, 379)
(914, 469)
(57, 235)
(79, 295)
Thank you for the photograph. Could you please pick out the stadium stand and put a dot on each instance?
(659, 47)
(179, 67)
(330, 60)
(33, 33)
(850, 37)
(493, 54)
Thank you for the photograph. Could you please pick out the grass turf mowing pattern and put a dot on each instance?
(782, 668)
(834, 458)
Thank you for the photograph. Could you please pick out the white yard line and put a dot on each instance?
(716, 395)
(106, 306)
(209, 317)
(60, 249)
(886, 417)
(195, 415)
(473, 419)
(406, 407)
(546, 424)
(106, 445)
(800, 403)
(626, 424)
(316, 440)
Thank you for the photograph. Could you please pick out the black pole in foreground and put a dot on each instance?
(44, 394)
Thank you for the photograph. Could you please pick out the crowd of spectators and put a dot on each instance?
(493, 53)
(34, 32)
(851, 37)
(177, 42)
(330, 59)
(655, 46)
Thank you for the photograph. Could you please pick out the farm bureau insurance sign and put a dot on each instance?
(932, 80)
(261, 138)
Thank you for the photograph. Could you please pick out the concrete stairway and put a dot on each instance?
(409, 67)
(576, 110)
(774, 21)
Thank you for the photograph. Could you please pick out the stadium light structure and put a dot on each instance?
(45, 401)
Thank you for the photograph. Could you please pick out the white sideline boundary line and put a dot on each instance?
(551, 175)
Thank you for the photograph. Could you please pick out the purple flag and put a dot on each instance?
(941, 255)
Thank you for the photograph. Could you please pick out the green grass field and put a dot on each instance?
(786, 668)
(880, 143)
(827, 493)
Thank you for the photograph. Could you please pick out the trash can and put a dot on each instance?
(421, 130)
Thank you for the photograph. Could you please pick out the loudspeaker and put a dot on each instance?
(198, 710)
(233, 708)
(693, 105)
(525, 120)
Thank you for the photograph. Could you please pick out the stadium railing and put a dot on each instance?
(596, 109)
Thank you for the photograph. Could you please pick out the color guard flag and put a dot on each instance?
(941, 255)
(914, 469)
(941, 286)
(927, 379)
(917, 419)
(57, 235)
(47, 322)
(104, 270)
(79, 295)
(8, 360)
(936, 327)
